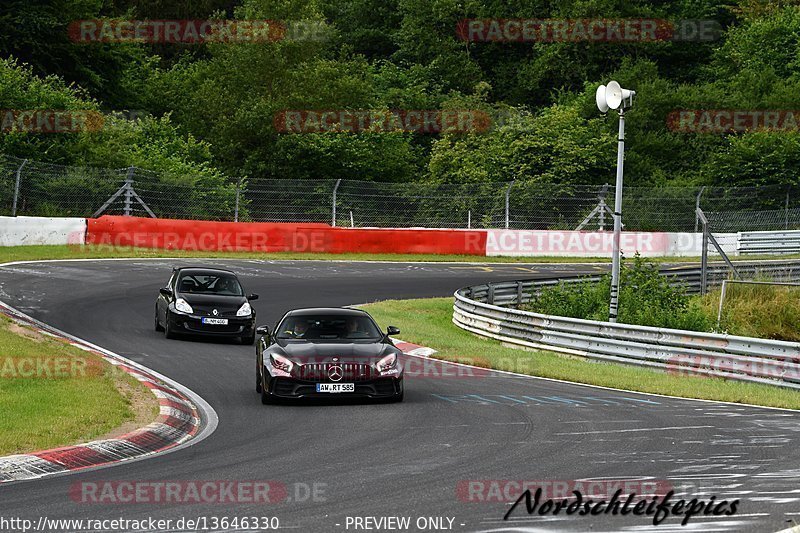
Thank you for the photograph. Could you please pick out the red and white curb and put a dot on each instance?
(184, 419)
(413, 349)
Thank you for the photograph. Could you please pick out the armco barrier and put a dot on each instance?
(278, 237)
(483, 309)
(26, 231)
(768, 242)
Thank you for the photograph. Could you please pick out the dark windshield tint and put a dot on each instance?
(328, 327)
(221, 284)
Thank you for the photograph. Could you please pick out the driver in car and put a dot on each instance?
(299, 330)
(354, 328)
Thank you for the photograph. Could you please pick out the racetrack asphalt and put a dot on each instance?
(403, 459)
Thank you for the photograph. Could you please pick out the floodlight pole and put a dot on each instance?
(615, 260)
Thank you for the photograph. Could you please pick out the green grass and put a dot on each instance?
(766, 311)
(33, 253)
(428, 322)
(52, 394)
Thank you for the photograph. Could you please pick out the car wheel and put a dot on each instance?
(168, 333)
(158, 324)
(258, 379)
(248, 341)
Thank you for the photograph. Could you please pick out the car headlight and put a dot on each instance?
(387, 363)
(183, 306)
(244, 310)
(281, 363)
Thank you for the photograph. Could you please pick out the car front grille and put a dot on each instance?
(350, 372)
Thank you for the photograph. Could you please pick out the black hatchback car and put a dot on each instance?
(205, 301)
(326, 352)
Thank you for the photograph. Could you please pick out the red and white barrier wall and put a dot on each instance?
(21, 231)
(320, 238)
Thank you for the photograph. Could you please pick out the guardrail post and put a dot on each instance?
(519, 293)
(490, 294)
(16, 187)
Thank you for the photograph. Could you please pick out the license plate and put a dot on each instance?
(336, 387)
(216, 321)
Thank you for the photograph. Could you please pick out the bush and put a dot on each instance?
(646, 298)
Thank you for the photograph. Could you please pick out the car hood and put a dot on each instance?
(314, 352)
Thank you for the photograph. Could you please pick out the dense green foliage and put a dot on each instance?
(645, 298)
(214, 104)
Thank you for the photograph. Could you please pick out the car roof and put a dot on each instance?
(343, 311)
(200, 269)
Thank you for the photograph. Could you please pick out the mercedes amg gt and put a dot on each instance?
(205, 301)
(325, 352)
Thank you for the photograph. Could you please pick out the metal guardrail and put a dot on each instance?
(485, 310)
(768, 242)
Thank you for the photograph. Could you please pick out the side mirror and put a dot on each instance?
(166, 292)
(262, 330)
(391, 330)
(252, 296)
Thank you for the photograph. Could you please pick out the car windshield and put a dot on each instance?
(328, 327)
(220, 284)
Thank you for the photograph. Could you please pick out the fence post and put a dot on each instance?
(786, 225)
(129, 191)
(508, 193)
(469, 219)
(236, 209)
(697, 208)
(16, 187)
(333, 210)
(704, 254)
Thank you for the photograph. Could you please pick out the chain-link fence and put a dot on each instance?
(42, 189)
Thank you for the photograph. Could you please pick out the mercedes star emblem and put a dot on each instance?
(335, 373)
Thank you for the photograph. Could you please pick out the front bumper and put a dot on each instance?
(193, 325)
(288, 387)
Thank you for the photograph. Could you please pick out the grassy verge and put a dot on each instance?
(53, 394)
(33, 253)
(766, 311)
(429, 322)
